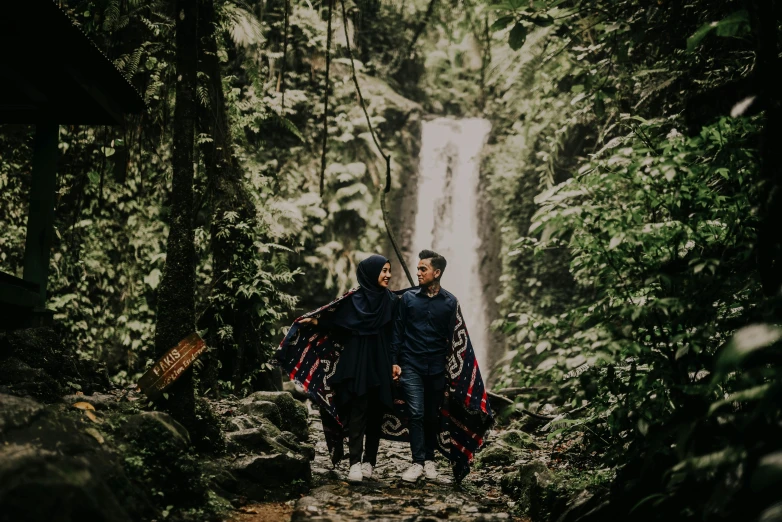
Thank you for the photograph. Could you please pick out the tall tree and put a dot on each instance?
(765, 23)
(232, 319)
(176, 293)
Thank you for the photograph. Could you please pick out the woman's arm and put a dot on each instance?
(398, 336)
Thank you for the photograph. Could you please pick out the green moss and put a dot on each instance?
(171, 472)
(519, 439)
(293, 413)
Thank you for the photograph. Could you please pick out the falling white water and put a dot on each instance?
(447, 216)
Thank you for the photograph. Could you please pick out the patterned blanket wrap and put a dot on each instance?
(309, 355)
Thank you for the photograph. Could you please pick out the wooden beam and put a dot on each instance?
(17, 292)
(40, 220)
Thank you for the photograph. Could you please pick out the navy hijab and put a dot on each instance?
(372, 306)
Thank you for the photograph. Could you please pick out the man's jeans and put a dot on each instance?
(424, 395)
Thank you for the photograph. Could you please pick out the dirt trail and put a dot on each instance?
(385, 497)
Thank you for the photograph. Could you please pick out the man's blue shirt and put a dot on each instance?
(422, 331)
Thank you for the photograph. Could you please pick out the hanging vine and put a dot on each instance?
(385, 156)
(326, 100)
(284, 58)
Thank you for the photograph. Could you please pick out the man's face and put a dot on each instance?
(426, 274)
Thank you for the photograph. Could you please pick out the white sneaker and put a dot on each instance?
(430, 469)
(413, 473)
(355, 474)
(366, 470)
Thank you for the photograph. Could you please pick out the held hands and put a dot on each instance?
(309, 320)
(396, 371)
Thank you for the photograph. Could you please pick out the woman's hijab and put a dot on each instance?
(371, 307)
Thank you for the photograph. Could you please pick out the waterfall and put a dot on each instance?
(447, 215)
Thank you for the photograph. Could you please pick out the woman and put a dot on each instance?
(359, 328)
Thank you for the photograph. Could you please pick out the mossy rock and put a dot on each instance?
(38, 484)
(42, 350)
(17, 412)
(23, 379)
(288, 439)
(267, 477)
(498, 454)
(518, 439)
(260, 440)
(141, 425)
(293, 413)
(520, 481)
(246, 422)
(57, 464)
(534, 486)
(266, 409)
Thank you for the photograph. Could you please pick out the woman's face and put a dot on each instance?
(385, 276)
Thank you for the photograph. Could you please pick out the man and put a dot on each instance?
(419, 347)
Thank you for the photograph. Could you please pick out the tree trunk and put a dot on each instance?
(769, 245)
(236, 356)
(176, 293)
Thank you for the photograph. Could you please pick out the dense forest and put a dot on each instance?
(630, 199)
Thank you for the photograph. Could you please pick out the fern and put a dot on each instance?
(243, 26)
(111, 16)
(203, 95)
(274, 120)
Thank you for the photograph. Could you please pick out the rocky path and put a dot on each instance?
(385, 497)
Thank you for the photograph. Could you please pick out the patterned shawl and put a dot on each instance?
(310, 356)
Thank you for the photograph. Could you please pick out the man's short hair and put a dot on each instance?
(438, 261)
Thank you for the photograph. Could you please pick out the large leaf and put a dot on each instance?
(728, 26)
(502, 23)
(768, 473)
(711, 460)
(745, 342)
(518, 35)
(752, 394)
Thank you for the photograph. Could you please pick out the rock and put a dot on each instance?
(297, 391)
(16, 412)
(518, 482)
(263, 477)
(100, 401)
(265, 409)
(294, 413)
(498, 454)
(306, 508)
(140, 424)
(518, 439)
(23, 379)
(241, 422)
(361, 505)
(535, 486)
(325, 494)
(288, 439)
(38, 484)
(53, 466)
(261, 440)
(585, 505)
(254, 439)
(273, 470)
(42, 349)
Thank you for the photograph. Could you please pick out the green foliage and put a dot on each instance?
(114, 183)
(179, 484)
(733, 25)
(628, 203)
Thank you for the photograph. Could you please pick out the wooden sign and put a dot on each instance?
(171, 366)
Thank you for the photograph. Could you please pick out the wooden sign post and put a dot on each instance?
(171, 366)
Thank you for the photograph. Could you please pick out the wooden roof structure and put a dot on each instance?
(51, 74)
